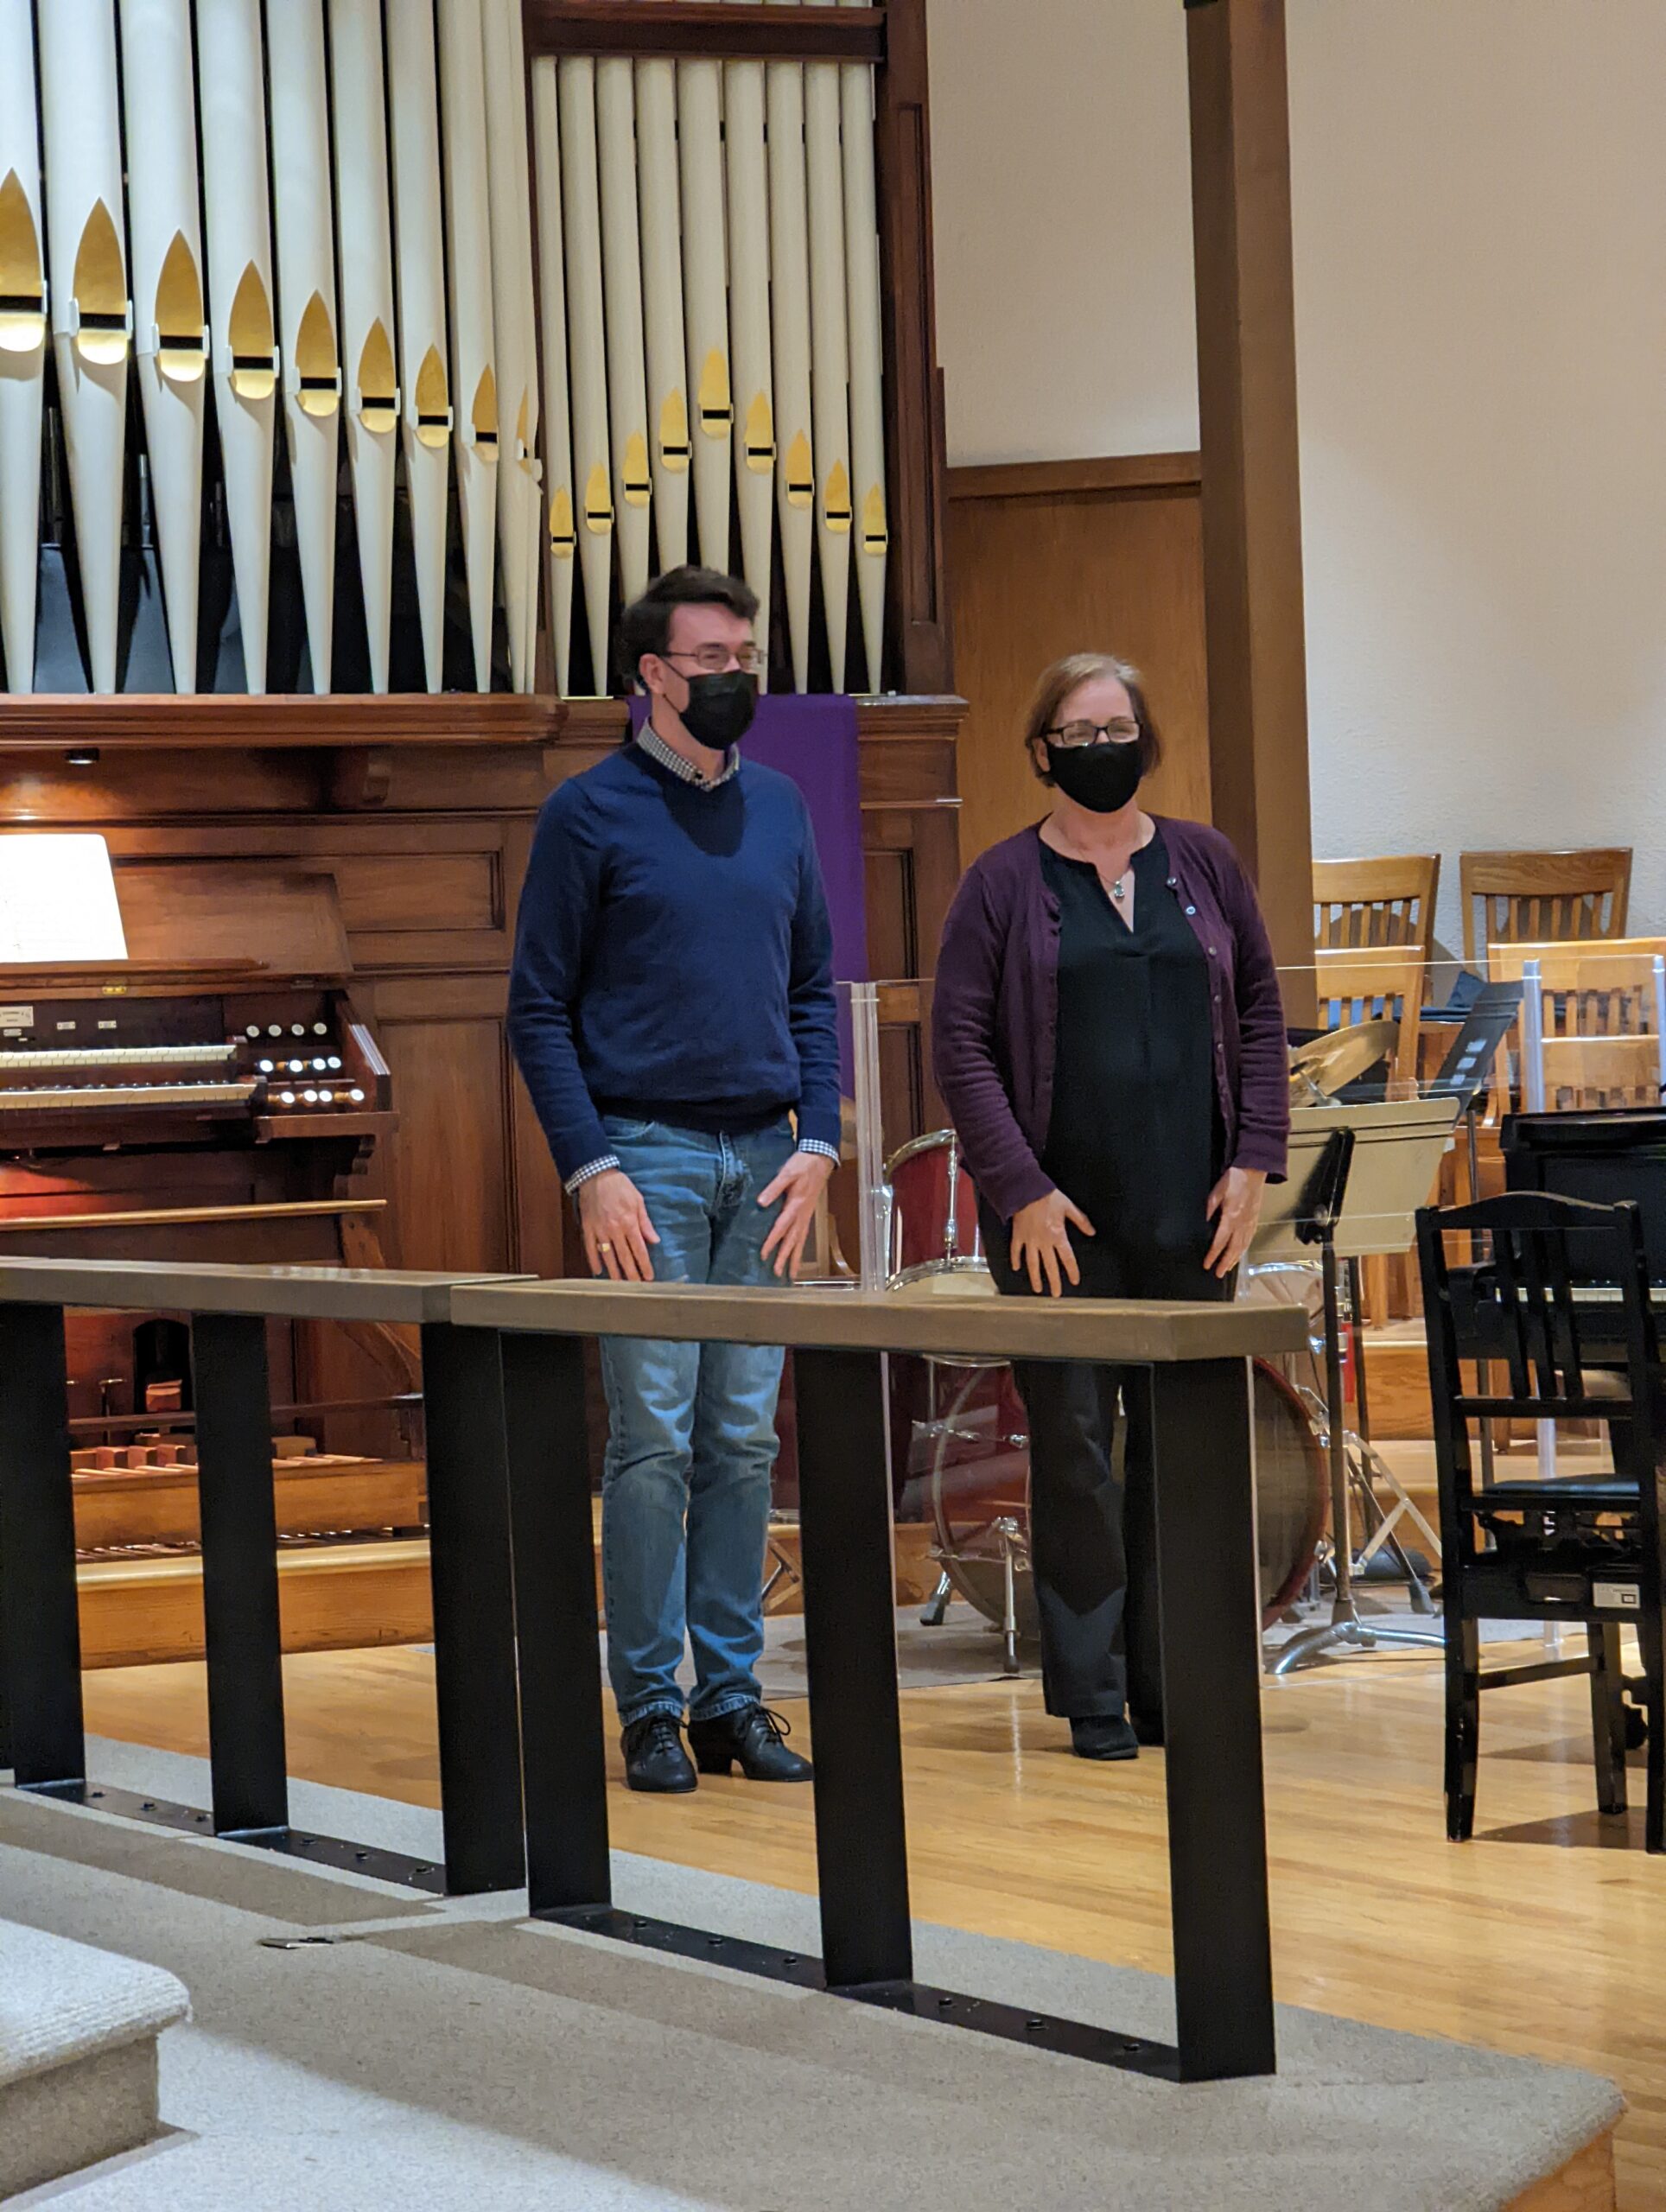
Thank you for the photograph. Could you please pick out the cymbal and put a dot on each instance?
(1330, 1064)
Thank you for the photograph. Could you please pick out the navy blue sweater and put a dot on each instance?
(673, 957)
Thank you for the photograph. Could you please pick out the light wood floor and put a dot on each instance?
(1543, 1936)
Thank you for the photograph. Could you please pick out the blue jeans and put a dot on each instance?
(691, 1438)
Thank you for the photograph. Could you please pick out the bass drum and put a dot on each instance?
(969, 1469)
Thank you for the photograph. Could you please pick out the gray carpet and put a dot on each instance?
(457, 2058)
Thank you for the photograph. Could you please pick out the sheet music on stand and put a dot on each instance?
(57, 900)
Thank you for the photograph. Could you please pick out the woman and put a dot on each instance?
(1108, 1035)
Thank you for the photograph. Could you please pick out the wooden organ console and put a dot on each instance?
(399, 553)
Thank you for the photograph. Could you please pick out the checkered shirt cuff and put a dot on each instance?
(587, 1174)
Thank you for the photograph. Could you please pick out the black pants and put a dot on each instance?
(1093, 1536)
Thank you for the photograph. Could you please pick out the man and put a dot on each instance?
(670, 1006)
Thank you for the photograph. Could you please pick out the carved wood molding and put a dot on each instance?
(223, 720)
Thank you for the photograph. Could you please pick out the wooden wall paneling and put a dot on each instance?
(1055, 558)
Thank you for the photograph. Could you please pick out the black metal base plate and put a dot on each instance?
(1040, 2030)
(301, 1844)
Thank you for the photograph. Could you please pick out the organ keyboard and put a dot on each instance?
(219, 1094)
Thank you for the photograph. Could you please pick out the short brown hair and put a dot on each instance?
(645, 624)
(1056, 685)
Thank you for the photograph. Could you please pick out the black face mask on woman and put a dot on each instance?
(1101, 777)
(721, 708)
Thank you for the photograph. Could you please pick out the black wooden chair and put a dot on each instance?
(1564, 1309)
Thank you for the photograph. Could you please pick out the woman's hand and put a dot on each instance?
(1235, 1208)
(1041, 1241)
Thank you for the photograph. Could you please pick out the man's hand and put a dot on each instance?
(617, 1230)
(1236, 1200)
(1042, 1244)
(800, 1184)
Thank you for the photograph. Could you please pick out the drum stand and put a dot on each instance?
(1345, 1629)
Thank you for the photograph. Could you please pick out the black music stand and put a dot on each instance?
(1318, 1209)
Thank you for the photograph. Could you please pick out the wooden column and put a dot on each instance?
(1251, 489)
(915, 439)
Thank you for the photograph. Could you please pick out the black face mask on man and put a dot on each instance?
(1101, 777)
(721, 708)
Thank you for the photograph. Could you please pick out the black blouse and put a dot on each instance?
(1133, 1135)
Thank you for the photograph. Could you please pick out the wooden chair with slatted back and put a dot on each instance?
(1601, 1019)
(1538, 898)
(1374, 984)
(1386, 903)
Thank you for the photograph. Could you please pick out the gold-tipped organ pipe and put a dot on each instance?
(705, 301)
(789, 265)
(476, 434)
(621, 279)
(308, 325)
(419, 268)
(829, 351)
(244, 333)
(22, 343)
(365, 246)
(92, 314)
(561, 518)
(662, 303)
(862, 256)
(170, 318)
(586, 350)
(508, 171)
(749, 327)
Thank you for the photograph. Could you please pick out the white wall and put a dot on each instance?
(1479, 197)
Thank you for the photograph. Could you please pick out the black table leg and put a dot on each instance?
(470, 1566)
(241, 1637)
(845, 1513)
(40, 1629)
(1210, 1613)
(563, 1753)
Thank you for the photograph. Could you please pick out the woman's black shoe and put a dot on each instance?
(654, 1757)
(755, 1736)
(1104, 1736)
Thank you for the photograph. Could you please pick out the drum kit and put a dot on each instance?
(961, 1440)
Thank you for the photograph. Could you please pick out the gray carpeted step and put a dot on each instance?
(78, 2053)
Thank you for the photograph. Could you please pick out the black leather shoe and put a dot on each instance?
(654, 1757)
(1104, 1736)
(755, 1737)
(1148, 1727)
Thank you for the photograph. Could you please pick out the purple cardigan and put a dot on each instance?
(994, 1010)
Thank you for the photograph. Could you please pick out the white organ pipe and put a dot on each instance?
(169, 320)
(830, 350)
(587, 355)
(366, 266)
(232, 92)
(22, 343)
(861, 257)
(562, 541)
(474, 384)
(789, 268)
(621, 279)
(749, 330)
(310, 356)
(705, 301)
(413, 104)
(662, 302)
(91, 316)
(509, 182)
